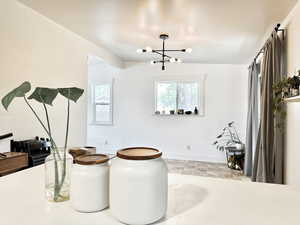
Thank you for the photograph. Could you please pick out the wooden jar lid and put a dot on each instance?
(91, 159)
(75, 152)
(139, 153)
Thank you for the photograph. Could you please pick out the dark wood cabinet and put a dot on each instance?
(13, 162)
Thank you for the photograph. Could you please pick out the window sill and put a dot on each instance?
(101, 124)
(178, 115)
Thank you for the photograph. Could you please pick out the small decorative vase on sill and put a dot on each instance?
(57, 175)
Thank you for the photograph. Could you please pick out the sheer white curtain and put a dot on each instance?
(252, 117)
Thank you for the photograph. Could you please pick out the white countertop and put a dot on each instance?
(192, 201)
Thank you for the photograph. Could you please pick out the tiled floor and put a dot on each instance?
(205, 169)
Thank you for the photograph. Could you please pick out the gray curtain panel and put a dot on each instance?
(252, 117)
(268, 160)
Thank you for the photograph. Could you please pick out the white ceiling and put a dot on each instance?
(218, 31)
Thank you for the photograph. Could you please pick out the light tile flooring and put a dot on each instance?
(206, 169)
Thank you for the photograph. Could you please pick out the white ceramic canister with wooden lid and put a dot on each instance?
(138, 186)
(90, 183)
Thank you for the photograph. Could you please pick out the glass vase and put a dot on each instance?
(57, 175)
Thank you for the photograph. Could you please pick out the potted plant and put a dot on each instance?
(294, 83)
(228, 138)
(230, 142)
(287, 87)
(58, 164)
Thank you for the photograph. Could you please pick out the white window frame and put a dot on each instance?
(95, 122)
(201, 91)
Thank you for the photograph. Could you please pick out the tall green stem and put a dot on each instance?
(41, 122)
(56, 180)
(47, 117)
(68, 123)
(65, 148)
(56, 188)
(49, 132)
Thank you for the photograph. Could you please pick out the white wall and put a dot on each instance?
(36, 49)
(135, 124)
(98, 72)
(5, 145)
(292, 159)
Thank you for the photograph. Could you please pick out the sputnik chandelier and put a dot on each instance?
(162, 52)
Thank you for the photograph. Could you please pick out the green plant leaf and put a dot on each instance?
(17, 92)
(219, 136)
(44, 95)
(72, 93)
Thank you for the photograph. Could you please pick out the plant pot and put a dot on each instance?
(57, 171)
(239, 146)
(295, 91)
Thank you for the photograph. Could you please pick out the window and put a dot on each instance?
(174, 95)
(102, 100)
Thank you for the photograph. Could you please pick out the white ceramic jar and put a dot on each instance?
(138, 186)
(89, 183)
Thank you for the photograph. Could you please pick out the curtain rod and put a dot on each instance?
(262, 49)
(5, 136)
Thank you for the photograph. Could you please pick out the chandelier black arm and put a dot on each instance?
(161, 61)
(155, 51)
(170, 50)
